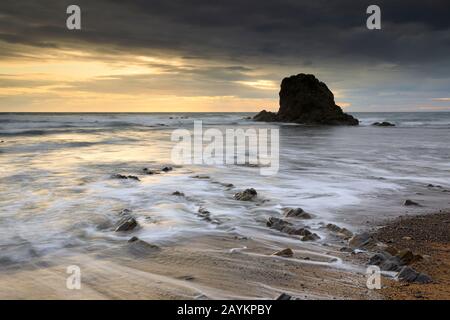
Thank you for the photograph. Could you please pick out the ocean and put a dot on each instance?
(57, 195)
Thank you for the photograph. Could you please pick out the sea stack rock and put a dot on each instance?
(304, 99)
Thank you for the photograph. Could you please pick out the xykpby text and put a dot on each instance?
(232, 309)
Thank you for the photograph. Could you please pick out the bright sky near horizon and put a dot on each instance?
(221, 56)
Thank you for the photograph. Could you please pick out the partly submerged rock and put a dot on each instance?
(383, 124)
(287, 227)
(409, 202)
(297, 213)
(311, 237)
(124, 177)
(306, 100)
(246, 195)
(127, 223)
(266, 116)
(178, 193)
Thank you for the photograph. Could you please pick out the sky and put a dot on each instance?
(221, 56)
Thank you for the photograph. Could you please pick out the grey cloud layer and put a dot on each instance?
(290, 35)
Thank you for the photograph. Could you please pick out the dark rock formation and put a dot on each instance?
(246, 195)
(284, 296)
(408, 274)
(287, 253)
(340, 232)
(297, 213)
(383, 124)
(287, 227)
(304, 99)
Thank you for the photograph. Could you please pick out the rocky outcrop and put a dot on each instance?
(246, 195)
(410, 203)
(287, 253)
(124, 177)
(296, 213)
(306, 100)
(287, 227)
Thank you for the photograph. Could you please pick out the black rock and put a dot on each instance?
(297, 213)
(304, 99)
(124, 177)
(383, 124)
(178, 193)
(167, 169)
(246, 195)
(127, 223)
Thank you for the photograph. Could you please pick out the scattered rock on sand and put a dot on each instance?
(409, 202)
(340, 232)
(362, 241)
(408, 274)
(284, 253)
(246, 195)
(383, 124)
(149, 171)
(311, 237)
(140, 247)
(287, 227)
(297, 213)
(385, 261)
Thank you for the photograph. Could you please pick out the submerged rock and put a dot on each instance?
(383, 124)
(306, 100)
(246, 195)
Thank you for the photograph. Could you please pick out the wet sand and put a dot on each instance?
(429, 236)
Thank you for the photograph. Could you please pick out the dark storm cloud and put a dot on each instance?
(406, 61)
(413, 31)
